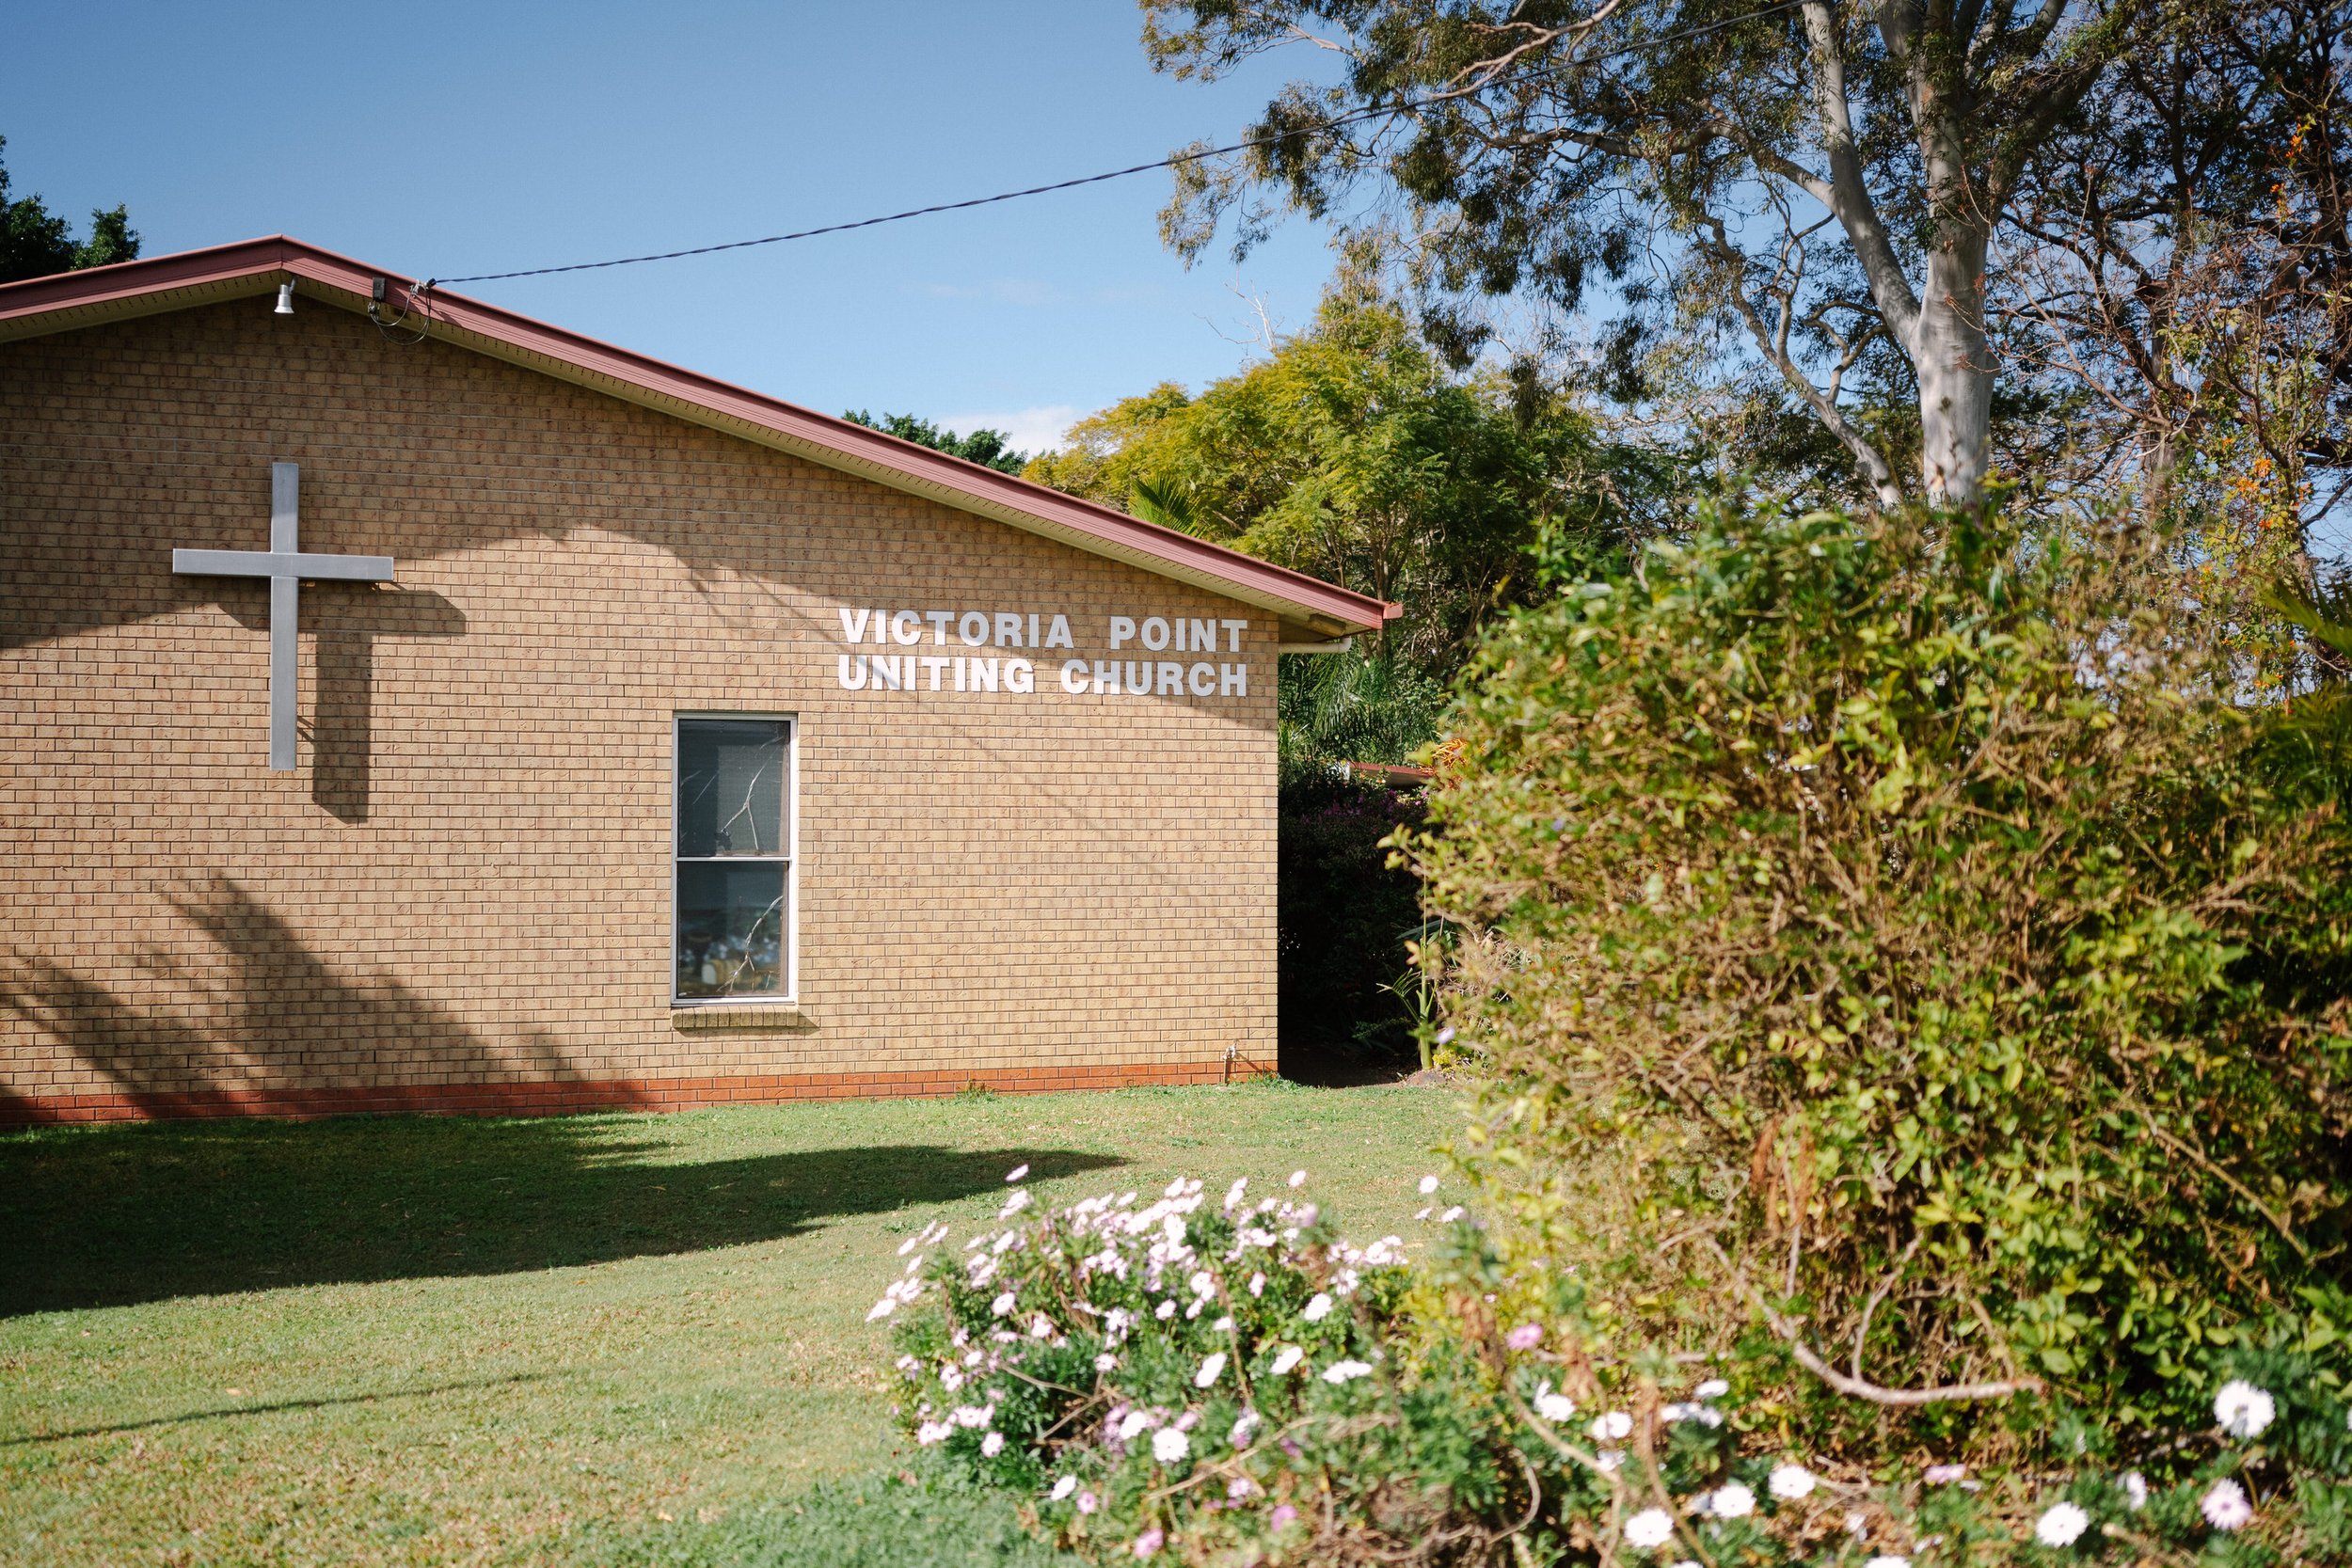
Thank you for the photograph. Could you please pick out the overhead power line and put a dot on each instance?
(1172, 161)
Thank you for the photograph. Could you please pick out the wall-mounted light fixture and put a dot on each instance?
(285, 300)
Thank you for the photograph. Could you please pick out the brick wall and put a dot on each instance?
(461, 898)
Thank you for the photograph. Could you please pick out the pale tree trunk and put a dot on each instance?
(1940, 328)
(1954, 365)
(1947, 340)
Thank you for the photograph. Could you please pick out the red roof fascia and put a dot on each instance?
(102, 291)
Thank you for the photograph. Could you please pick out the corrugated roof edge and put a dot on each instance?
(66, 301)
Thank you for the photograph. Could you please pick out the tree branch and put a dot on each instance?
(1848, 197)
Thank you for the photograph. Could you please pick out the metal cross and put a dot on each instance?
(285, 565)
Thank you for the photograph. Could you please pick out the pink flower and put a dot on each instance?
(1943, 1475)
(1151, 1541)
(1525, 1337)
(1282, 1515)
(2225, 1506)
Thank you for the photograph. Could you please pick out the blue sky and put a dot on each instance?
(444, 139)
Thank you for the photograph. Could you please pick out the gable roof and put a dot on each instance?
(1310, 609)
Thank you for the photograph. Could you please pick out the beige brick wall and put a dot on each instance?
(467, 882)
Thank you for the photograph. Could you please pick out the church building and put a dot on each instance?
(408, 705)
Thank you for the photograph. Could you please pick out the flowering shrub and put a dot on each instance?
(1862, 911)
(1232, 1382)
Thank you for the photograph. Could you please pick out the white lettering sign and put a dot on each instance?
(875, 635)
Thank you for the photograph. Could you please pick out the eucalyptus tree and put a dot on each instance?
(1843, 186)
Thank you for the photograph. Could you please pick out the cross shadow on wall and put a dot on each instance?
(114, 1215)
(339, 696)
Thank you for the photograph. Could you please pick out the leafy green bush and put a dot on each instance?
(1870, 903)
(1236, 1385)
(1344, 916)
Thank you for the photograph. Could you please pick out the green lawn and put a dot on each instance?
(612, 1338)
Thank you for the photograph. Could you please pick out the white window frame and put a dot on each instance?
(791, 994)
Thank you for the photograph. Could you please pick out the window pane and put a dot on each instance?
(730, 786)
(730, 929)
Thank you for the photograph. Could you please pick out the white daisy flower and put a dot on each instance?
(1168, 1445)
(1209, 1370)
(1317, 1309)
(2060, 1524)
(2225, 1506)
(1789, 1482)
(2243, 1409)
(1612, 1427)
(992, 1445)
(1345, 1371)
(1063, 1487)
(1428, 1185)
(1649, 1529)
(1284, 1359)
(1731, 1501)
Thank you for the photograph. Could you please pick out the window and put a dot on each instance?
(733, 847)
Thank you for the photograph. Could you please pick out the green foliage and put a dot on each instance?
(34, 243)
(1237, 1385)
(989, 449)
(1351, 452)
(1345, 915)
(1355, 708)
(1878, 898)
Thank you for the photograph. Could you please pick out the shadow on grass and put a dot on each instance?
(110, 1216)
(268, 1407)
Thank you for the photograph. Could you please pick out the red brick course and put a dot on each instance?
(561, 1098)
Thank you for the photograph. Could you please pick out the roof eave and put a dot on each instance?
(1306, 607)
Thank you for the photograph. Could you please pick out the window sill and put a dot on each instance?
(739, 1015)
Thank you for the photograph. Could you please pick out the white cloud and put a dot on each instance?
(1030, 430)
